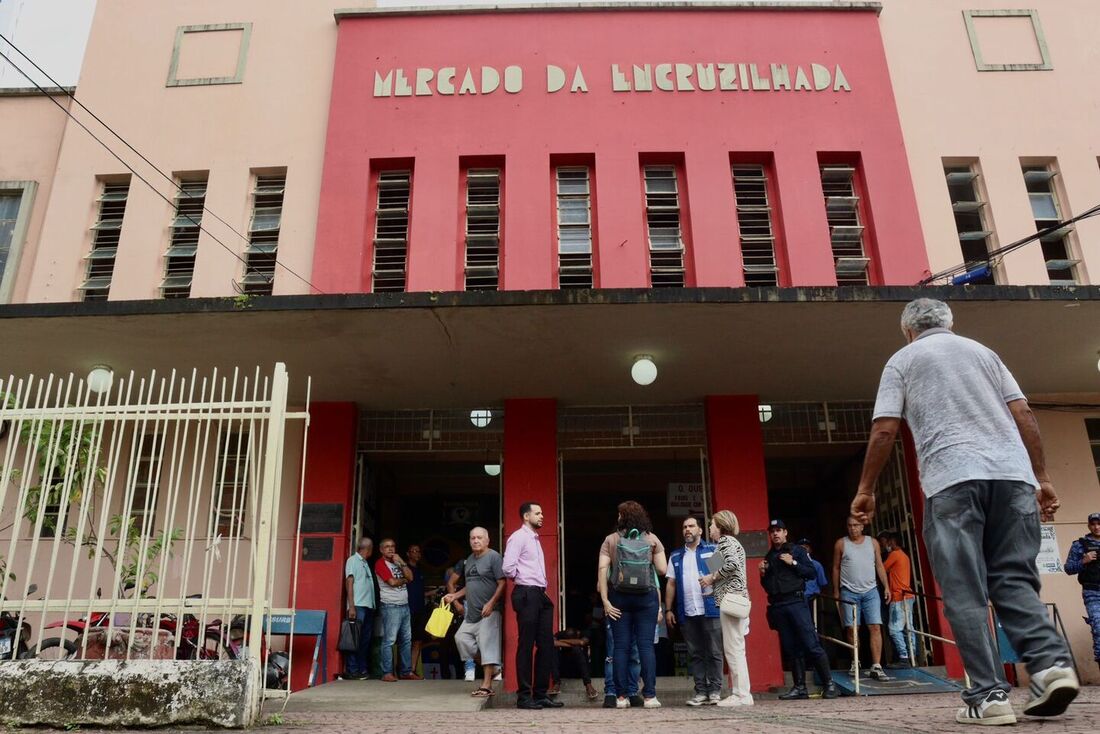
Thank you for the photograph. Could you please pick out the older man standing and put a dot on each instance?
(480, 630)
(525, 563)
(359, 588)
(986, 485)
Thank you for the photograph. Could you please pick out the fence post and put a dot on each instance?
(261, 556)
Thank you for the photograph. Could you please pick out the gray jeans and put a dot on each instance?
(982, 537)
(703, 636)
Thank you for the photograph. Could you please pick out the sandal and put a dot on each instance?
(482, 693)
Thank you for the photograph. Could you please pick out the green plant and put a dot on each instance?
(65, 470)
(276, 719)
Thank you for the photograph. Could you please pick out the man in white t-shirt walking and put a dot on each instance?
(986, 486)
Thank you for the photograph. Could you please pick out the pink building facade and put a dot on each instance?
(499, 210)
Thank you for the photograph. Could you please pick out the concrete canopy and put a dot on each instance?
(456, 350)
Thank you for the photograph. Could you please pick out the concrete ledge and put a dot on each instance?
(604, 6)
(124, 693)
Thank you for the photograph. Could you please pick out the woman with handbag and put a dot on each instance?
(731, 593)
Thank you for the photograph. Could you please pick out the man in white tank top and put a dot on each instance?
(856, 564)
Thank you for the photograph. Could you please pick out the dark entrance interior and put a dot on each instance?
(594, 483)
(810, 488)
(432, 501)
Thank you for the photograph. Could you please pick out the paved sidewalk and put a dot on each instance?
(916, 713)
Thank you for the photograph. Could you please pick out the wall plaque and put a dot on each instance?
(322, 517)
(316, 549)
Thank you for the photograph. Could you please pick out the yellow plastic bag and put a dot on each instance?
(440, 621)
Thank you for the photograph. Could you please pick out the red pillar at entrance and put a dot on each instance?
(530, 475)
(330, 478)
(735, 447)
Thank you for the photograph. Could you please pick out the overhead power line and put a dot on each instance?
(148, 162)
(984, 263)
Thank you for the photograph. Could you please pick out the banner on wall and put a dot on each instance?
(1048, 560)
(685, 498)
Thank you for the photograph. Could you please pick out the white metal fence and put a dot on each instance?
(142, 521)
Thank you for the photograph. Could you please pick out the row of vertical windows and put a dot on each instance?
(483, 211)
(842, 211)
(260, 255)
(574, 227)
(975, 230)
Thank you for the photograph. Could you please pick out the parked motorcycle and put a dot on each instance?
(13, 636)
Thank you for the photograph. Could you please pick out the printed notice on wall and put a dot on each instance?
(1048, 560)
(685, 498)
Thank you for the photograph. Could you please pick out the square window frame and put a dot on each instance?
(242, 55)
(1037, 27)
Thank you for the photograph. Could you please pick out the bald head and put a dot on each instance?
(479, 540)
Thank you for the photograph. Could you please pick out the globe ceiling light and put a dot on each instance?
(100, 379)
(481, 418)
(644, 370)
(492, 470)
(765, 413)
(1098, 363)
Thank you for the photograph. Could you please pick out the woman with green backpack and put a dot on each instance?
(630, 560)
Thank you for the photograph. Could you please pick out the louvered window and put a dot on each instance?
(482, 229)
(263, 235)
(666, 242)
(845, 228)
(391, 231)
(754, 223)
(968, 206)
(1057, 246)
(179, 261)
(105, 236)
(574, 200)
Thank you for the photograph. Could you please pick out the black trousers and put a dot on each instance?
(797, 636)
(535, 651)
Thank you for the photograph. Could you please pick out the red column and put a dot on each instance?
(937, 620)
(530, 475)
(735, 446)
(330, 477)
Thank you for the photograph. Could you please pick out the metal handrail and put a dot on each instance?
(854, 645)
(938, 638)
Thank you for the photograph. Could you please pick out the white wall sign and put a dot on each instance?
(1049, 559)
(685, 498)
(710, 76)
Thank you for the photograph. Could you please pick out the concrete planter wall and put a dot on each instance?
(125, 693)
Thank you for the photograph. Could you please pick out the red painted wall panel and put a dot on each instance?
(616, 128)
(735, 449)
(330, 477)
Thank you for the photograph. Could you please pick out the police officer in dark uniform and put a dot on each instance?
(785, 571)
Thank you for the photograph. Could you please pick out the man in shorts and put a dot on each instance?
(480, 630)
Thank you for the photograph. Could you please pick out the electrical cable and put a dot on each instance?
(141, 178)
(1000, 252)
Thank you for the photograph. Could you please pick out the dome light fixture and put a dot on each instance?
(765, 412)
(644, 370)
(492, 470)
(100, 379)
(481, 418)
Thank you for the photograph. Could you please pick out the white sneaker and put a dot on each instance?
(713, 699)
(469, 676)
(852, 670)
(877, 673)
(622, 703)
(1051, 691)
(995, 710)
(697, 700)
(746, 700)
(731, 700)
(652, 703)
(499, 676)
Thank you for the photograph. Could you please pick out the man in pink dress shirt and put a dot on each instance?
(525, 564)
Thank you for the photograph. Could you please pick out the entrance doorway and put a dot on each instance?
(593, 484)
(810, 487)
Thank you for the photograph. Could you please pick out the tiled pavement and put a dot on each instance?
(914, 713)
